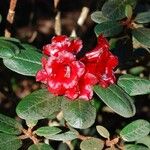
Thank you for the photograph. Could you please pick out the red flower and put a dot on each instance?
(64, 75)
(62, 43)
(84, 88)
(61, 73)
(101, 62)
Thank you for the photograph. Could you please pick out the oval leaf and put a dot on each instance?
(135, 130)
(8, 49)
(109, 28)
(128, 11)
(47, 131)
(79, 113)
(143, 17)
(67, 136)
(38, 105)
(27, 62)
(142, 35)
(145, 140)
(98, 17)
(9, 125)
(131, 2)
(9, 142)
(119, 101)
(114, 9)
(136, 70)
(135, 147)
(133, 85)
(40, 146)
(0, 18)
(103, 131)
(10, 39)
(92, 144)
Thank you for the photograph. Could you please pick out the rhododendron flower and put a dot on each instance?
(101, 62)
(62, 72)
(65, 75)
(62, 43)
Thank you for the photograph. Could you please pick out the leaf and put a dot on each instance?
(98, 17)
(142, 35)
(27, 62)
(9, 142)
(67, 136)
(103, 131)
(133, 85)
(9, 125)
(0, 18)
(10, 39)
(115, 98)
(135, 147)
(40, 146)
(38, 105)
(114, 9)
(92, 144)
(109, 28)
(131, 2)
(31, 123)
(145, 140)
(143, 17)
(29, 47)
(136, 70)
(8, 49)
(79, 113)
(135, 130)
(128, 11)
(47, 131)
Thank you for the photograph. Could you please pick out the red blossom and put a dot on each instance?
(61, 72)
(62, 43)
(101, 62)
(65, 75)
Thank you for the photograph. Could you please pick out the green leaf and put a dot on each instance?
(8, 49)
(9, 142)
(109, 28)
(135, 130)
(9, 125)
(103, 131)
(143, 17)
(98, 17)
(27, 62)
(31, 123)
(134, 85)
(29, 47)
(79, 113)
(119, 101)
(142, 35)
(131, 2)
(136, 70)
(38, 105)
(92, 144)
(67, 136)
(0, 18)
(40, 146)
(10, 39)
(47, 131)
(114, 9)
(145, 140)
(135, 147)
(128, 11)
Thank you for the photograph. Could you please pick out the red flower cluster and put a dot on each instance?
(65, 75)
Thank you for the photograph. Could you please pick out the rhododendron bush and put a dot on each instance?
(77, 85)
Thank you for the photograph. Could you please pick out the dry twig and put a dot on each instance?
(10, 17)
